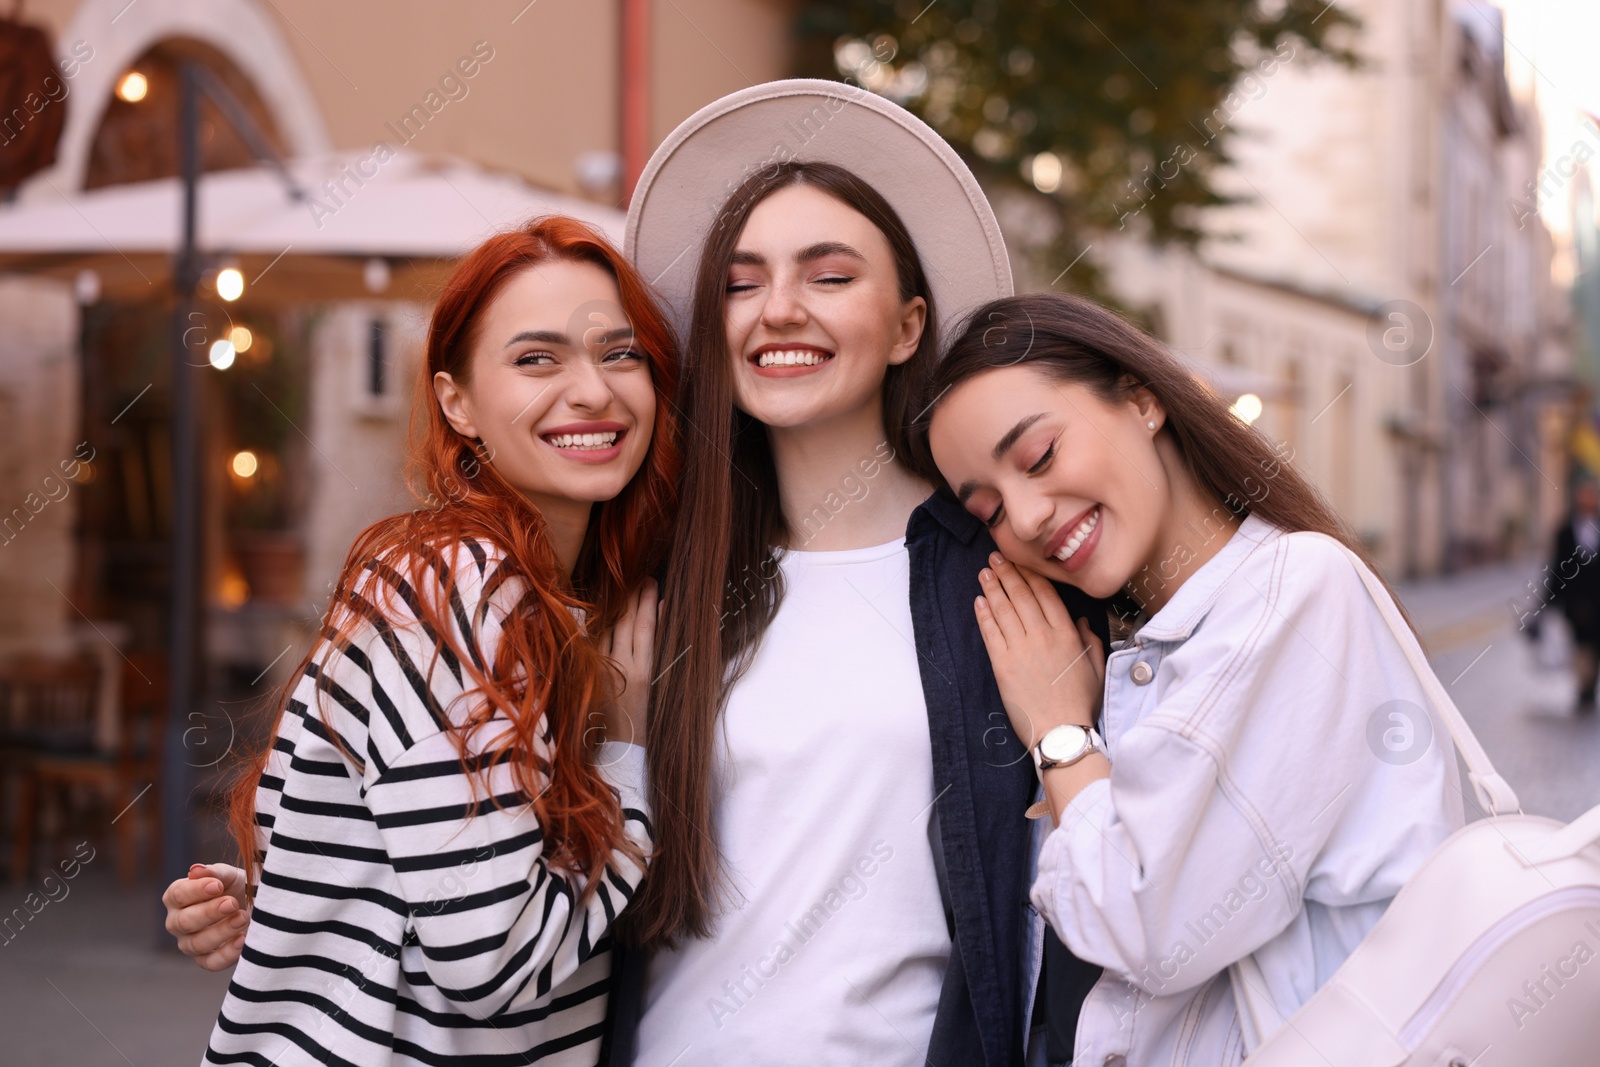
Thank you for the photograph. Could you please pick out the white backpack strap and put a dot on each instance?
(1494, 792)
(1565, 843)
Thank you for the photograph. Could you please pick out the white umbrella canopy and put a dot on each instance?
(416, 212)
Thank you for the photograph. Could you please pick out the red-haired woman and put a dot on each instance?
(440, 840)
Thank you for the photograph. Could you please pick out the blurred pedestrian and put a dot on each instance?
(1576, 587)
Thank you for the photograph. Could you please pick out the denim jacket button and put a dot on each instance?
(1141, 673)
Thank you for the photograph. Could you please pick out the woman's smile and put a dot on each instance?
(586, 442)
(789, 360)
(1075, 541)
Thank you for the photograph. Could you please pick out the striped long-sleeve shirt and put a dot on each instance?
(389, 927)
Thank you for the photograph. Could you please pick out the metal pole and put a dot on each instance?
(184, 637)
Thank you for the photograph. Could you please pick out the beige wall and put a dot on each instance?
(704, 49)
(356, 476)
(548, 94)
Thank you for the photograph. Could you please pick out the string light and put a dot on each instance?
(133, 87)
(230, 284)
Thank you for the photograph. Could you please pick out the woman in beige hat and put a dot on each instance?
(844, 859)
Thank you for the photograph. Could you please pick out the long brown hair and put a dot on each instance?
(723, 587)
(1075, 340)
(546, 675)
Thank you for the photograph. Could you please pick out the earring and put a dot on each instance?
(1151, 425)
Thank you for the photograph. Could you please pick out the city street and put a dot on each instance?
(1521, 712)
(295, 295)
(85, 986)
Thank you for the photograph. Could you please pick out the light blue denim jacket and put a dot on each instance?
(1275, 780)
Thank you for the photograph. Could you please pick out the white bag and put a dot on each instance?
(1488, 957)
(1555, 640)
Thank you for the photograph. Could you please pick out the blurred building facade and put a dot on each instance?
(1375, 290)
(569, 98)
(1384, 289)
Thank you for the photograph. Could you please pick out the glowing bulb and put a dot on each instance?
(235, 590)
(1247, 409)
(133, 87)
(1046, 172)
(245, 464)
(230, 284)
(222, 354)
(241, 339)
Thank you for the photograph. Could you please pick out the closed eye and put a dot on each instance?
(1044, 460)
(836, 280)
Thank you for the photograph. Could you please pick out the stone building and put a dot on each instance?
(1380, 290)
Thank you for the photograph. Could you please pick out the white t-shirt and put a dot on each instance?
(832, 946)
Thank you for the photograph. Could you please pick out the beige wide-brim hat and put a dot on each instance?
(698, 167)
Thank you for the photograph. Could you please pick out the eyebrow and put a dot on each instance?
(1014, 434)
(552, 337)
(1000, 449)
(807, 254)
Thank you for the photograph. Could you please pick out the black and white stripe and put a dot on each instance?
(402, 915)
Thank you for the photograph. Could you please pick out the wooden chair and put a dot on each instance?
(46, 706)
(128, 777)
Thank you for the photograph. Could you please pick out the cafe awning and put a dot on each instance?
(416, 213)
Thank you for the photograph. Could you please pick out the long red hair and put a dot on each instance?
(547, 676)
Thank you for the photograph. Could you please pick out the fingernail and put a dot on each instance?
(986, 574)
(213, 887)
(239, 920)
(228, 905)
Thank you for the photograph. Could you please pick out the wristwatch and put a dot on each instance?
(1065, 745)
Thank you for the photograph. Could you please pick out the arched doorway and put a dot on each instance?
(253, 393)
(137, 136)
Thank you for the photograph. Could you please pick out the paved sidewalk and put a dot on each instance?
(1521, 711)
(84, 983)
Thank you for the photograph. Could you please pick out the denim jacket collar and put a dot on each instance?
(1194, 598)
(962, 524)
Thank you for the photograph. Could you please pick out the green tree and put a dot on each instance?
(1119, 112)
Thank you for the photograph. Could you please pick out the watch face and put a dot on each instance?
(1063, 742)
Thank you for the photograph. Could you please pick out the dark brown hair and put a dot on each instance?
(723, 584)
(1075, 340)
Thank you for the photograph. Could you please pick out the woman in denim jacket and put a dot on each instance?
(1252, 771)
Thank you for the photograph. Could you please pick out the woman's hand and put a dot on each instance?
(208, 912)
(631, 646)
(1051, 673)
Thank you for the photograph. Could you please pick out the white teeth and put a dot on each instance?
(1079, 536)
(790, 358)
(583, 440)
